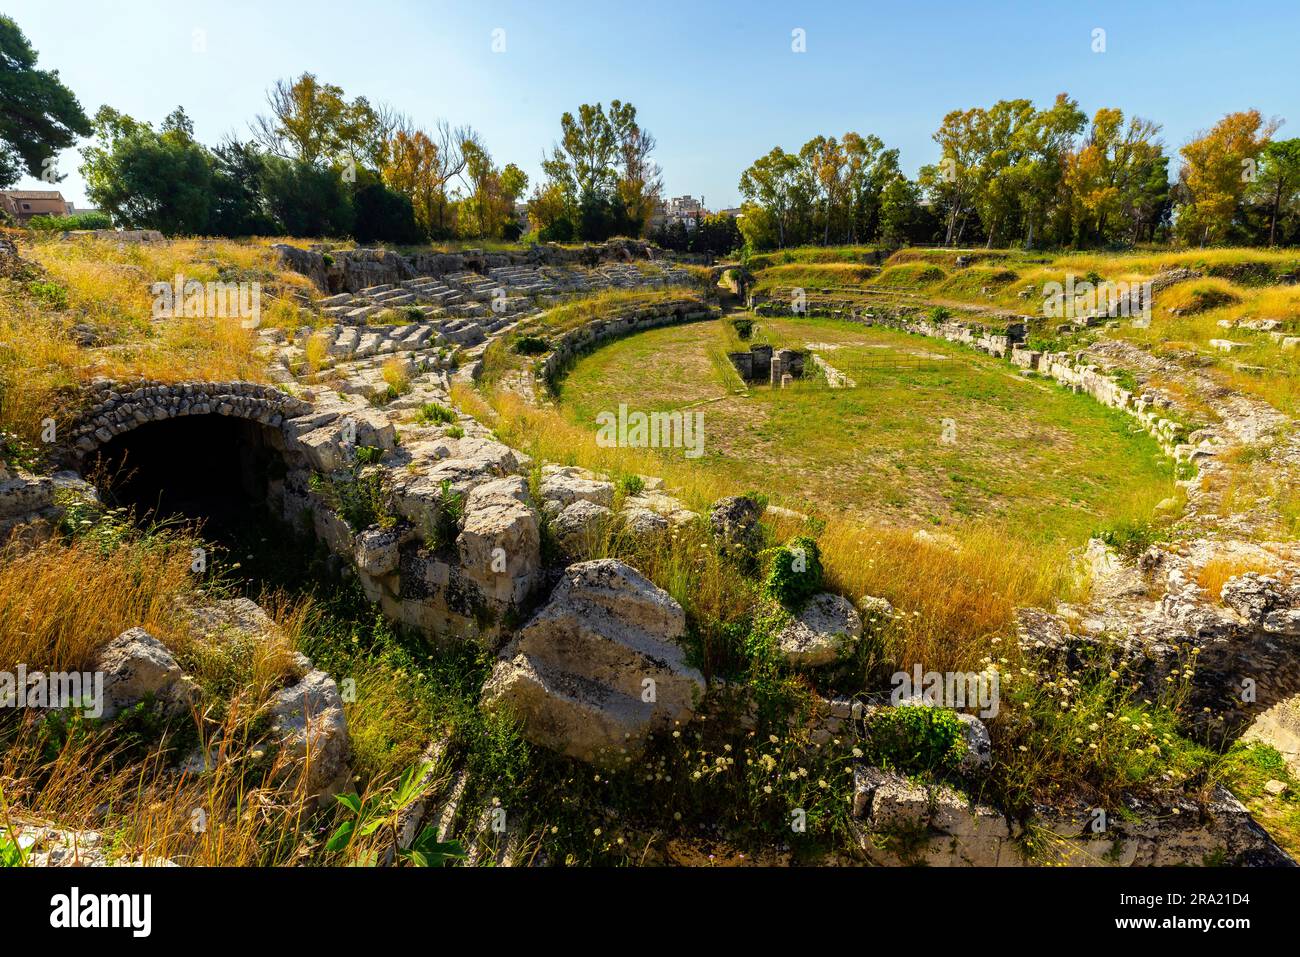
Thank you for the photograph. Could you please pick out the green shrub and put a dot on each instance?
(49, 294)
(794, 571)
(1132, 538)
(360, 498)
(744, 327)
(915, 739)
(434, 413)
(632, 484)
(531, 346)
(368, 454)
(442, 526)
(75, 221)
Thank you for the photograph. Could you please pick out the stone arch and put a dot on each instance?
(204, 451)
(117, 408)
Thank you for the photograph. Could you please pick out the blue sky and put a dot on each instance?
(717, 83)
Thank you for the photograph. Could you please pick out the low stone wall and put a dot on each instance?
(1070, 370)
(1006, 341)
(585, 338)
(904, 823)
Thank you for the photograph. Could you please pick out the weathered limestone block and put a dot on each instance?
(599, 667)
(308, 723)
(578, 522)
(500, 543)
(734, 520)
(376, 550)
(643, 523)
(23, 496)
(136, 666)
(325, 448)
(826, 629)
(561, 486)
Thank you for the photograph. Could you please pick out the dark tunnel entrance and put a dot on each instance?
(209, 469)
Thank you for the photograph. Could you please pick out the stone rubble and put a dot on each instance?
(599, 667)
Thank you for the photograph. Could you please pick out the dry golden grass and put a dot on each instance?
(107, 286)
(247, 810)
(957, 597)
(1215, 573)
(60, 603)
(396, 375)
(543, 433)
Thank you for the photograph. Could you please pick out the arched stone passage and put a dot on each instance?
(199, 450)
(210, 468)
(116, 409)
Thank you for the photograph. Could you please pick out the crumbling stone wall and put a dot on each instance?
(351, 270)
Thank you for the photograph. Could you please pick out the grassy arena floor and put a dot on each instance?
(1046, 464)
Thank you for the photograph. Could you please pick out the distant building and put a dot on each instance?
(23, 204)
(730, 213)
(686, 210)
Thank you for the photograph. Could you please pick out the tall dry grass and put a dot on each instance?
(106, 286)
(59, 603)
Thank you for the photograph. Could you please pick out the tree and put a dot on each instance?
(311, 122)
(869, 168)
(639, 184)
(1043, 156)
(582, 162)
(412, 168)
(823, 162)
(1218, 168)
(955, 179)
(238, 202)
(999, 138)
(602, 168)
(1110, 177)
(307, 200)
(149, 179)
(547, 210)
(900, 204)
(383, 215)
(486, 201)
(38, 114)
(1279, 181)
(769, 184)
(716, 235)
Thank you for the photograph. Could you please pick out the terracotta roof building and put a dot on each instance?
(23, 204)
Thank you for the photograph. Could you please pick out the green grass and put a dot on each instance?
(1245, 769)
(1047, 464)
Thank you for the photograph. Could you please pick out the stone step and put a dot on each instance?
(362, 313)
